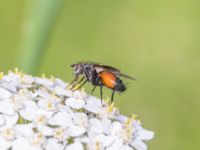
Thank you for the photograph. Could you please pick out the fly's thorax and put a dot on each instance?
(89, 71)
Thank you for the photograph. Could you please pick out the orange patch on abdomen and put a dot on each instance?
(108, 79)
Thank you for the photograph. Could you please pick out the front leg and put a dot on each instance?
(77, 85)
(71, 84)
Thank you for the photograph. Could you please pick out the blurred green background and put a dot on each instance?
(155, 41)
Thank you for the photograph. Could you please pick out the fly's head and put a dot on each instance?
(77, 68)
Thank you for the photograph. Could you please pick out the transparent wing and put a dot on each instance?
(115, 71)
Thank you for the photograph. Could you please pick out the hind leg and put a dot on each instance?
(101, 94)
(112, 96)
(93, 89)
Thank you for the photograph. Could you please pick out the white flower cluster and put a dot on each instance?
(41, 114)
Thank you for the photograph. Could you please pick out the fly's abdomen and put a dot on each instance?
(108, 79)
(120, 87)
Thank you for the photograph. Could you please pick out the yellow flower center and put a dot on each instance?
(38, 139)
(98, 145)
(1, 75)
(43, 75)
(110, 108)
(49, 105)
(59, 133)
(52, 78)
(41, 119)
(8, 133)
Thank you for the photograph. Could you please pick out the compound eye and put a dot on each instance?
(77, 69)
(74, 66)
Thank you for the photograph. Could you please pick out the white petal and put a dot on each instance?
(83, 139)
(43, 112)
(80, 95)
(60, 83)
(146, 134)
(116, 128)
(2, 120)
(4, 144)
(33, 147)
(44, 81)
(47, 114)
(117, 145)
(10, 86)
(107, 126)
(7, 78)
(107, 141)
(42, 93)
(80, 119)
(4, 94)
(10, 120)
(64, 108)
(24, 130)
(126, 147)
(96, 126)
(75, 146)
(45, 130)
(119, 117)
(63, 92)
(75, 131)
(139, 145)
(30, 110)
(20, 144)
(93, 105)
(53, 145)
(27, 114)
(75, 103)
(47, 104)
(11, 76)
(6, 107)
(60, 119)
(29, 104)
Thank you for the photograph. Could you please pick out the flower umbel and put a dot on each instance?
(40, 113)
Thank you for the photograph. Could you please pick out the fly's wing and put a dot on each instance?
(113, 70)
(84, 63)
(126, 76)
(89, 62)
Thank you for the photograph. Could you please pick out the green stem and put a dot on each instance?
(41, 16)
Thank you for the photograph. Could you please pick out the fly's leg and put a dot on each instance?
(70, 85)
(76, 84)
(101, 94)
(79, 86)
(112, 97)
(93, 89)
